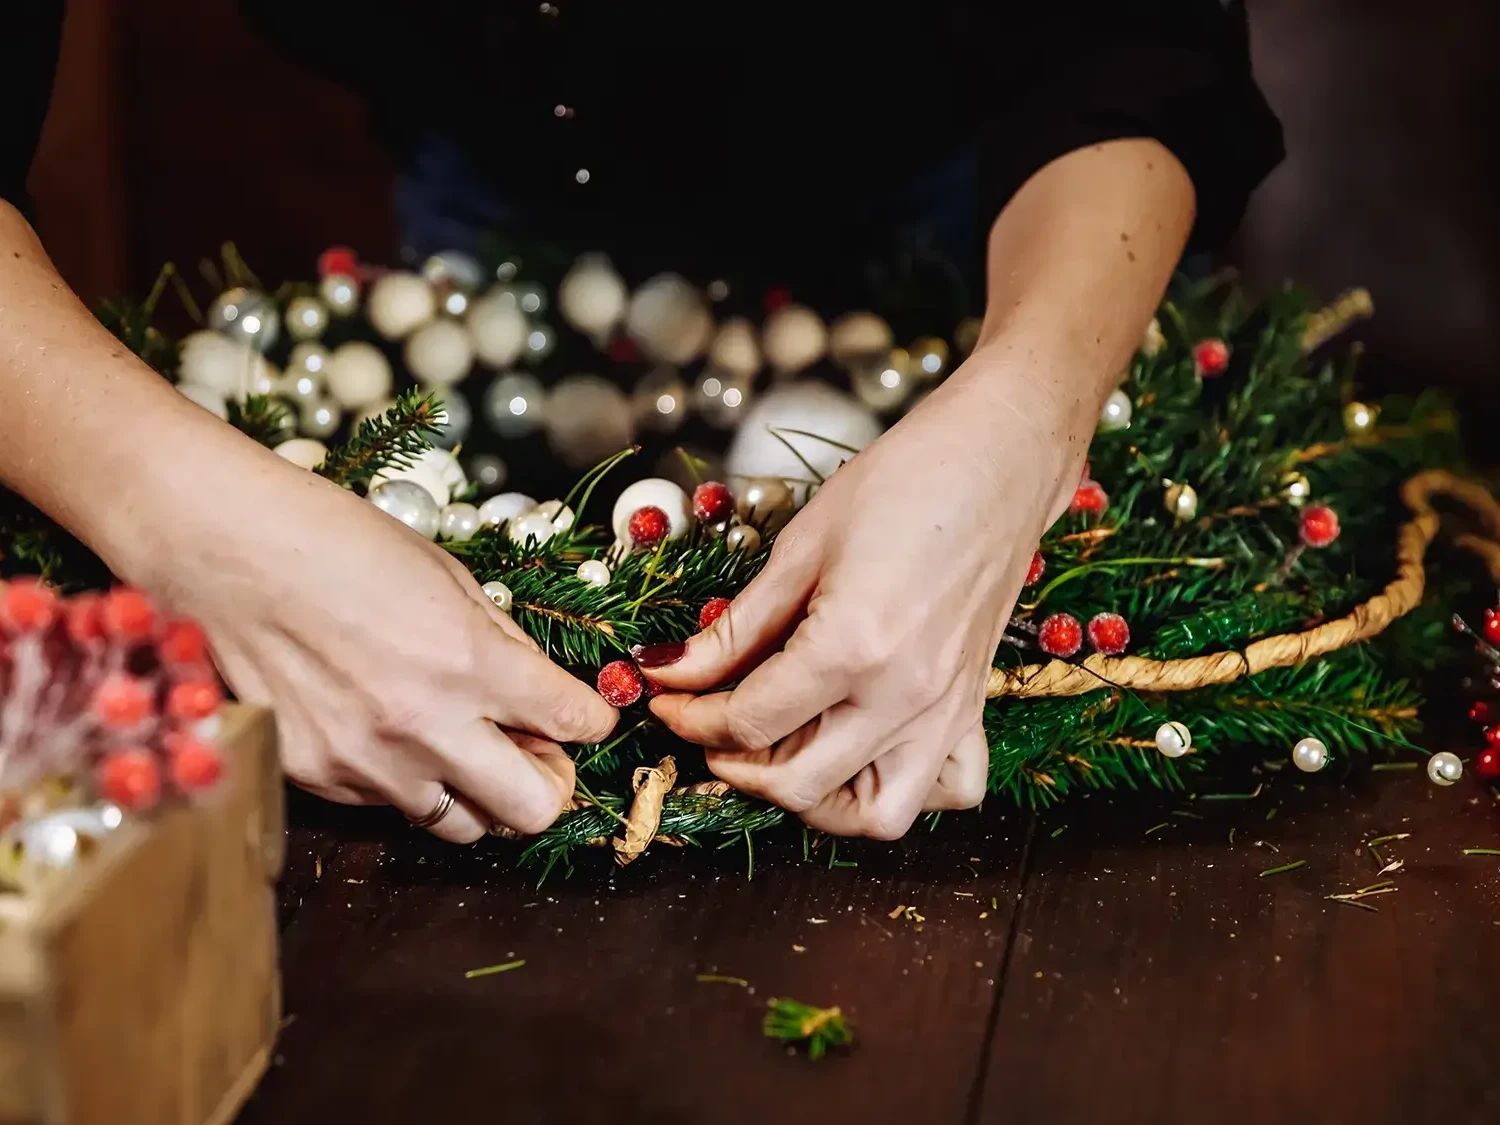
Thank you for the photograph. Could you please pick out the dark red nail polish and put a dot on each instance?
(657, 656)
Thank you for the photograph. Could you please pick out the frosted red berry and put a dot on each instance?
(620, 683)
(1211, 358)
(648, 526)
(1060, 635)
(1481, 712)
(338, 260)
(1037, 568)
(1319, 526)
(1109, 633)
(123, 702)
(128, 615)
(130, 778)
(1492, 736)
(1492, 626)
(28, 605)
(712, 610)
(183, 642)
(1487, 763)
(83, 618)
(1089, 499)
(195, 766)
(712, 502)
(195, 699)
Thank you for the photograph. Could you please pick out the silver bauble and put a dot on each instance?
(410, 503)
(513, 404)
(660, 400)
(246, 315)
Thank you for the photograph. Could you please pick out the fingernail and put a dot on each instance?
(657, 656)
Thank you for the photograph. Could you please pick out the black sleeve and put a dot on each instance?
(30, 34)
(1176, 71)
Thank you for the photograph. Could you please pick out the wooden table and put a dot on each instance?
(1114, 961)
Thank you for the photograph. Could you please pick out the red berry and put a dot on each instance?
(1037, 568)
(648, 526)
(1492, 626)
(1211, 357)
(338, 260)
(195, 765)
(620, 683)
(183, 642)
(1109, 633)
(1487, 763)
(712, 610)
(194, 699)
(130, 778)
(1060, 635)
(1089, 499)
(776, 297)
(84, 618)
(712, 502)
(1320, 526)
(28, 605)
(123, 702)
(1492, 736)
(128, 615)
(1481, 711)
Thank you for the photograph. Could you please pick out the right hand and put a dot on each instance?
(391, 674)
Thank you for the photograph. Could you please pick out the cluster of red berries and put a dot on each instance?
(712, 503)
(1487, 761)
(621, 683)
(1062, 636)
(104, 683)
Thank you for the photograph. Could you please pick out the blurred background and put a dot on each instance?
(172, 129)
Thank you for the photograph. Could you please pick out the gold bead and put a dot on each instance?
(1359, 418)
(1296, 488)
(929, 357)
(1181, 500)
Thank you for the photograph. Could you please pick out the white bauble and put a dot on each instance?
(653, 492)
(735, 348)
(858, 334)
(1444, 768)
(722, 398)
(595, 572)
(882, 381)
(206, 397)
(513, 404)
(560, 514)
(588, 418)
(592, 296)
(436, 470)
(439, 354)
(340, 293)
(487, 471)
(246, 315)
(399, 304)
(506, 506)
(534, 528)
(358, 375)
(498, 327)
(410, 503)
(458, 522)
(455, 269)
(310, 359)
(793, 338)
(659, 400)
(669, 320)
(233, 369)
(306, 318)
(1116, 412)
(456, 416)
(301, 451)
(812, 407)
(1173, 739)
(320, 417)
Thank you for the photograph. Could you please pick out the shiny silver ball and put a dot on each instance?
(455, 269)
(340, 293)
(247, 315)
(410, 503)
(539, 343)
(742, 537)
(594, 571)
(1173, 739)
(320, 417)
(499, 593)
(534, 528)
(660, 400)
(306, 318)
(1116, 413)
(765, 501)
(1310, 755)
(458, 522)
(487, 471)
(513, 404)
(1444, 768)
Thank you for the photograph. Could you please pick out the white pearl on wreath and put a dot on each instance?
(760, 445)
(653, 492)
(669, 320)
(410, 503)
(793, 338)
(306, 318)
(560, 514)
(436, 470)
(400, 303)
(1173, 739)
(458, 522)
(455, 416)
(1310, 755)
(358, 375)
(309, 358)
(513, 404)
(487, 471)
(499, 593)
(534, 528)
(319, 417)
(735, 348)
(1116, 413)
(742, 537)
(858, 335)
(722, 398)
(439, 354)
(587, 419)
(1444, 768)
(206, 397)
(303, 452)
(595, 572)
(340, 293)
(499, 328)
(233, 369)
(506, 506)
(246, 315)
(1181, 500)
(592, 296)
(659, 400)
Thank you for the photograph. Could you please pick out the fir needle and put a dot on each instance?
(1482, 851)
(714, 978)
(1284, 868)
(491, 970)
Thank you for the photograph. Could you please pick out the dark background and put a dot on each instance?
(172, 129)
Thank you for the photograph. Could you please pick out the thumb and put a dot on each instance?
(743, 635)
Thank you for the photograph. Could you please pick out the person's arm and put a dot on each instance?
(898, 577)
(390, 672)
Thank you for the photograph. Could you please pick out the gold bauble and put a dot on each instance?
(1181, 500)
(1359, 418)
(1296, 488)
(929, 357)
(766, 502)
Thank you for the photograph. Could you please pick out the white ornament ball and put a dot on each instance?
(455, 414)
(540, 340)
(233, 369)
(309, 358)
(206, 397)
(793, 339)
(1173, 739)
(722, 398)
(592, 296)
(319, 417)
(340, 293)
(595, 572)
(742, 537)
(306, 318)
(487, 471)
(882, 382)
(506, 506)
(303, 452)
(439, 354)
(513, 404)
(246, 315)
(358, 375)
(560, 514)
(534, 528)
(410, 503)
(454, 268)
(1310, 755)
(1116, 413)
(458, 522)
(499, 593)
(1181, 500)
(660, 400)
(400, 303)
(498, 327)
(669, 320)
(811, 407)
(436, 470)
(857, 335)
(588, 418)
(1445, 768)
(735, 348)
(653, 492)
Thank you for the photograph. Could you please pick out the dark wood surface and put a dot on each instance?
(1114, 961)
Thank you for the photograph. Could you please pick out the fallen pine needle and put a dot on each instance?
(1254, 793)
(1296, 863)
(1185, 815)
(491, 970)
(1267, 844)
(1384, 887)
(1394, 766)
(1058, 831)
(1354, 902)
(1482, 851)
(791, 1021)
(713, 978)
(1156, 828)
(1394, 865)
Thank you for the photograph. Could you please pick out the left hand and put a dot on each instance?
(890, 591)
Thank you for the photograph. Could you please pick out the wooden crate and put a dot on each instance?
(144, 991)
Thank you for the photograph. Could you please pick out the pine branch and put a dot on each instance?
(391, 440)
(262, 419)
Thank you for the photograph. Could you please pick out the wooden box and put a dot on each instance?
(142, 988)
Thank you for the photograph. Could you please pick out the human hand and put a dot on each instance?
(891, 590)
(390, 672)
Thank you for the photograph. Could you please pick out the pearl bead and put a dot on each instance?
(303, 452)
(499, 328)
(340, 293)
(594, 571)
(499, 593)
(400, 303)
(763, 500)
(1173, 739)
(559, 513)
(1116, 413)
(1444, 768)
(735, 349)
(1181, 500)
(458, 522)
(506, 506)
(358, 375)
(742, 537)
(410, 503)
(1310, 755)
(306, 318)
(1296, 488)
(487, 471)
(858, 335)
(513, 405)
(439, 354)
(793, 338)
(533, 528)
(246, 315)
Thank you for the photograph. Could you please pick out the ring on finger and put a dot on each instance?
(441, 809)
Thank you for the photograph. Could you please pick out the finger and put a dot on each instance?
(512, 787)
(528, 692)
(883, 799)
(761, 616)
(808, 765)
(464, 822)
(964, 777)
